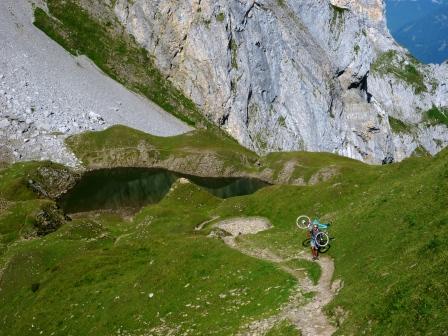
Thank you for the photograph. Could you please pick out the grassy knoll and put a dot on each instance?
(203, 152)
(106, 43)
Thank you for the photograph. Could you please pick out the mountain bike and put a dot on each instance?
(304, 222)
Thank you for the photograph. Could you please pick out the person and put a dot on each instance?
(313, 236)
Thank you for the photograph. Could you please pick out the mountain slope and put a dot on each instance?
(47, 94)
(100, 273)
(277, 76)
(292, 75)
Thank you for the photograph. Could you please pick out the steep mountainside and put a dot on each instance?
(288, 75)
(277, 75)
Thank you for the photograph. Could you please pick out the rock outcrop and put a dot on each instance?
(283, 75)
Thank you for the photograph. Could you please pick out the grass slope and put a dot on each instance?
(100, 275)
(95, 275)
(391, 229)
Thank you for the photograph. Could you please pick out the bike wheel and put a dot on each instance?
(303, 222)
(322, 239)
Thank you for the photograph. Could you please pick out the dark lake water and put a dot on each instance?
(135, 187)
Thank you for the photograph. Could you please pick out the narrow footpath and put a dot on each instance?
(309, 318)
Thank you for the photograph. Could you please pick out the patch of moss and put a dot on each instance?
(399, 126)
(234, 51)
(281, 3)
(220, 17)
(30, 180)
(282, 121)
(436, 116)
(338, 18)
(420, 151)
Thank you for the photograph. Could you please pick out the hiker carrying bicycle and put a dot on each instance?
(314, 230)
(317, 233)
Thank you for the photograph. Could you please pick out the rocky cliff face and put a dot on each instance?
(283, 75)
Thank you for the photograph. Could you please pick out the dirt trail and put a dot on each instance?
(308, 318)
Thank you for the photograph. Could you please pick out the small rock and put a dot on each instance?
(63, 129)
(4, 123)
(95, 117)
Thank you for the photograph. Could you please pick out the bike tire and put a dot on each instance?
(303, 222)
(322, 239)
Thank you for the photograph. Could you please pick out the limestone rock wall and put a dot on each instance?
(283, 75)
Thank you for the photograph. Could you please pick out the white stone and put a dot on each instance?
(4, 123)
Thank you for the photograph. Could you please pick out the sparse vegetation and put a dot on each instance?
(282, 121)
(405, 69)
(420, 151)
(281, 3)
(234, 51)
(399, 126)
(220, 17)
(337, 20)
(284, 328)
(200, 152)
(123, 146)
(436, 116)
(116, 53)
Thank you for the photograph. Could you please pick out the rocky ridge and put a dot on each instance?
(284, 75)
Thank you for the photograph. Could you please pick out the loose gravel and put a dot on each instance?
(46, 94)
